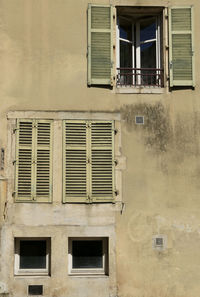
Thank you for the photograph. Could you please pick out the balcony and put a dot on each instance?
(140, 77)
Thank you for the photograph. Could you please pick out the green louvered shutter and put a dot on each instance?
(43, 172)
(100, 45)
(181, 53)
(33, 161)
(102, 161)
(24, 160)
(75, 161)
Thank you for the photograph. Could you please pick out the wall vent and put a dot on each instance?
(159, 242)
(139, 120)
(35, 290)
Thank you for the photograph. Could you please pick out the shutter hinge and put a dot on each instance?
(115, 162)
(88, 125)
(170, 65)
(13, 194)
(14, 162)
(115, 131)
(14, 130)
(116, 192)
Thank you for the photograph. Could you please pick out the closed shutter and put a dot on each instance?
(33, 161)
(24, 160)
(100, 45)
(88, 167)
(102, 161)
(43, 170)
(181, 46)
(75, 161)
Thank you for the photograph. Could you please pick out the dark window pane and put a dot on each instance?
(147, 30)
(32, 254)
(148, 60)
(126, 75)
(125, 31)
(87, 254)
(148, 55)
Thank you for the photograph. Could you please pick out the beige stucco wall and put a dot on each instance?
(43, 46)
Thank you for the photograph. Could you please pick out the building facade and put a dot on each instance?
(99, 148)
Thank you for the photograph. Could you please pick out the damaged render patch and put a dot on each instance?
(157, 128)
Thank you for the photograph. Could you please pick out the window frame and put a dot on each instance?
(89, 271)
(34, 272)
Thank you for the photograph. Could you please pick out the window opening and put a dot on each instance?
(88, 255)
(139, 46)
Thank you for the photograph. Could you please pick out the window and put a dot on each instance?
(88, 255)
(33, 160)
(140, 47)
(88, 161)
(32, 256)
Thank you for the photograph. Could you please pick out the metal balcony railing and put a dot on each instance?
(140, 77)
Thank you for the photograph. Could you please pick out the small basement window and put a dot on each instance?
(32, 256)
(88, 256)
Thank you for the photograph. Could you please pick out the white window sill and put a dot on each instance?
(138, 90)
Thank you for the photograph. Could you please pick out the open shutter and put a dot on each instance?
(43, 172)
(102, 161)
(100, 47)
(75, 161)
(181, 51)
(24, 161)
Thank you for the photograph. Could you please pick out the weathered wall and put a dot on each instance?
(43, 47)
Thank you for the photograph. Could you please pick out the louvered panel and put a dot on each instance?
(100, 55)
(100, 17)
(182, 58)
(25, 133)
(75, 173)
(181, 19)
(101, 134)
(75, 134)
(44, 133)
(102, 173)
(43, 161)
(75, 161)
(24, 174)
(43, 173)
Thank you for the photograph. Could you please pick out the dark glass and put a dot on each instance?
(87, 254)
(148, 60)
(125, 32)
(126, 76)
(32, 254)
(148, 30)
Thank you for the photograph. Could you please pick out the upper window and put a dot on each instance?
(88, 161)
(33, 161)
(139, 48)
